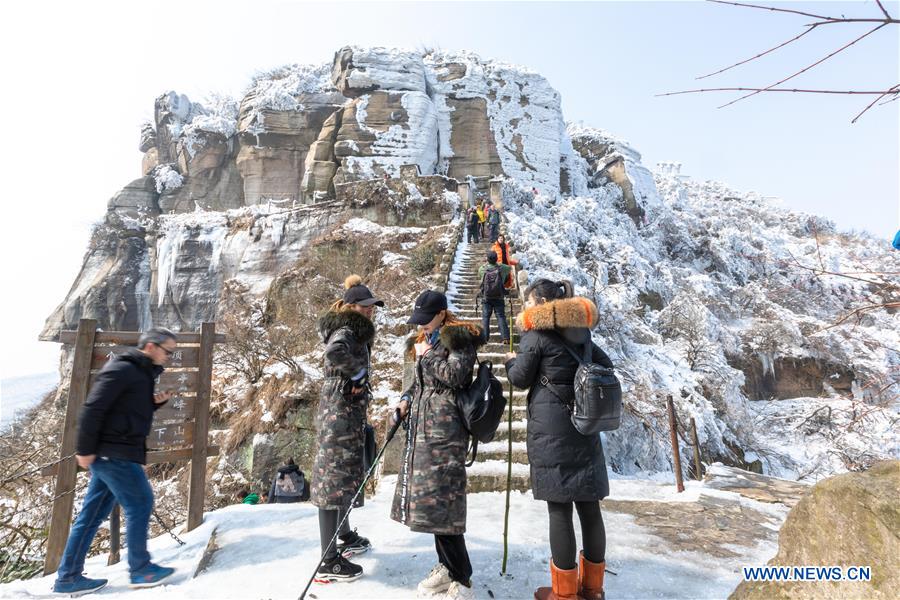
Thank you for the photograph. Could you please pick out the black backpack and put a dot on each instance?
(598, 395)
(481, 407)
(492, 283)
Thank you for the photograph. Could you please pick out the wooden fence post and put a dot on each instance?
(67, 472)
(197, 490)
(674, 436)
(115, 520)
(698, 469)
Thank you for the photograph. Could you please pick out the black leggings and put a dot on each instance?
(452, 553)
(328, 524)
(562, 533)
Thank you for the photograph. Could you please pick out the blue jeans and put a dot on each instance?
(497, 306)
(112, 481)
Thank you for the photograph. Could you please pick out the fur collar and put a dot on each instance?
(458, 337)
(452, 337)
(360, 326)
(559, 314)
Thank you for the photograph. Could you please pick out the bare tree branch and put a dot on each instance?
(794, 39)
(784, 10)
(885, 19)
(823, 19)
(858, 312)
(805, 69)
(894, 89)
(794, 90)
(819, 272)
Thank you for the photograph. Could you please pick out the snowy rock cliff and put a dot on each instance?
(224, 181)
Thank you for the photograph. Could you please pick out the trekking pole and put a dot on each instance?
(508, 457)
(362, 486)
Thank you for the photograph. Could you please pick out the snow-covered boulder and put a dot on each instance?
(847, 520)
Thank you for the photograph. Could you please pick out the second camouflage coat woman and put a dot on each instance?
(431, 487)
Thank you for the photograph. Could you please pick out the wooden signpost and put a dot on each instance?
(179, 432)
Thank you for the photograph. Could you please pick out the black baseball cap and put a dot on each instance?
(428, 304)
(360, 294)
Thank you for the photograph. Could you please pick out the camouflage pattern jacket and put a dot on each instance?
(431, 486)
(338, 468)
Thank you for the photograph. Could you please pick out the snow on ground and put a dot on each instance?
(268, 551)
(18, 394)
(360, 225)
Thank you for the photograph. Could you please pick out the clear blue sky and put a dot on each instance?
(80, 78)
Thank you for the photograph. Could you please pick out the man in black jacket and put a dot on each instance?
(112, 432)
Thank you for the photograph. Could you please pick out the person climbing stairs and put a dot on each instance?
(490, 469)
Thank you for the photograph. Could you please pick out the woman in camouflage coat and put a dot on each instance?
(347, 332)
(431, 486)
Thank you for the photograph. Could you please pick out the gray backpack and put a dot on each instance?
(598, 395)
(291, 485)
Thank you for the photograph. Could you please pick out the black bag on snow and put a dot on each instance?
(285, 487)
(492, 284)
(481, 406)
(598, 395)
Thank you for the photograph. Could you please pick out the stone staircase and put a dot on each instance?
(490, 469)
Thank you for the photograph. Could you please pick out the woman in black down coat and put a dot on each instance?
(566, 467)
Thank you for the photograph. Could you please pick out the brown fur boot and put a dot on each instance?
(590, 578)
(565, 585)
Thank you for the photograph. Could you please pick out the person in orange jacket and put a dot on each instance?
(504, 256)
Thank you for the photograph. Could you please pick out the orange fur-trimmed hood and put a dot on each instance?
(559, 314)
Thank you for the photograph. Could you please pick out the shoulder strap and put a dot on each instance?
(474, 448)
(587, 350)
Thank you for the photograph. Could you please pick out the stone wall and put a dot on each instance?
(417, 201)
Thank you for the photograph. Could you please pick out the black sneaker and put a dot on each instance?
(338, 569)
(353, 543)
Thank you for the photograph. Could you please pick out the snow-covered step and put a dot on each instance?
(472, 300)
(497, 450)
(472, 303)
(472, 306)
(497, 356)
(496, 347)
(467, 270)
(490, 476)
(519, 431)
